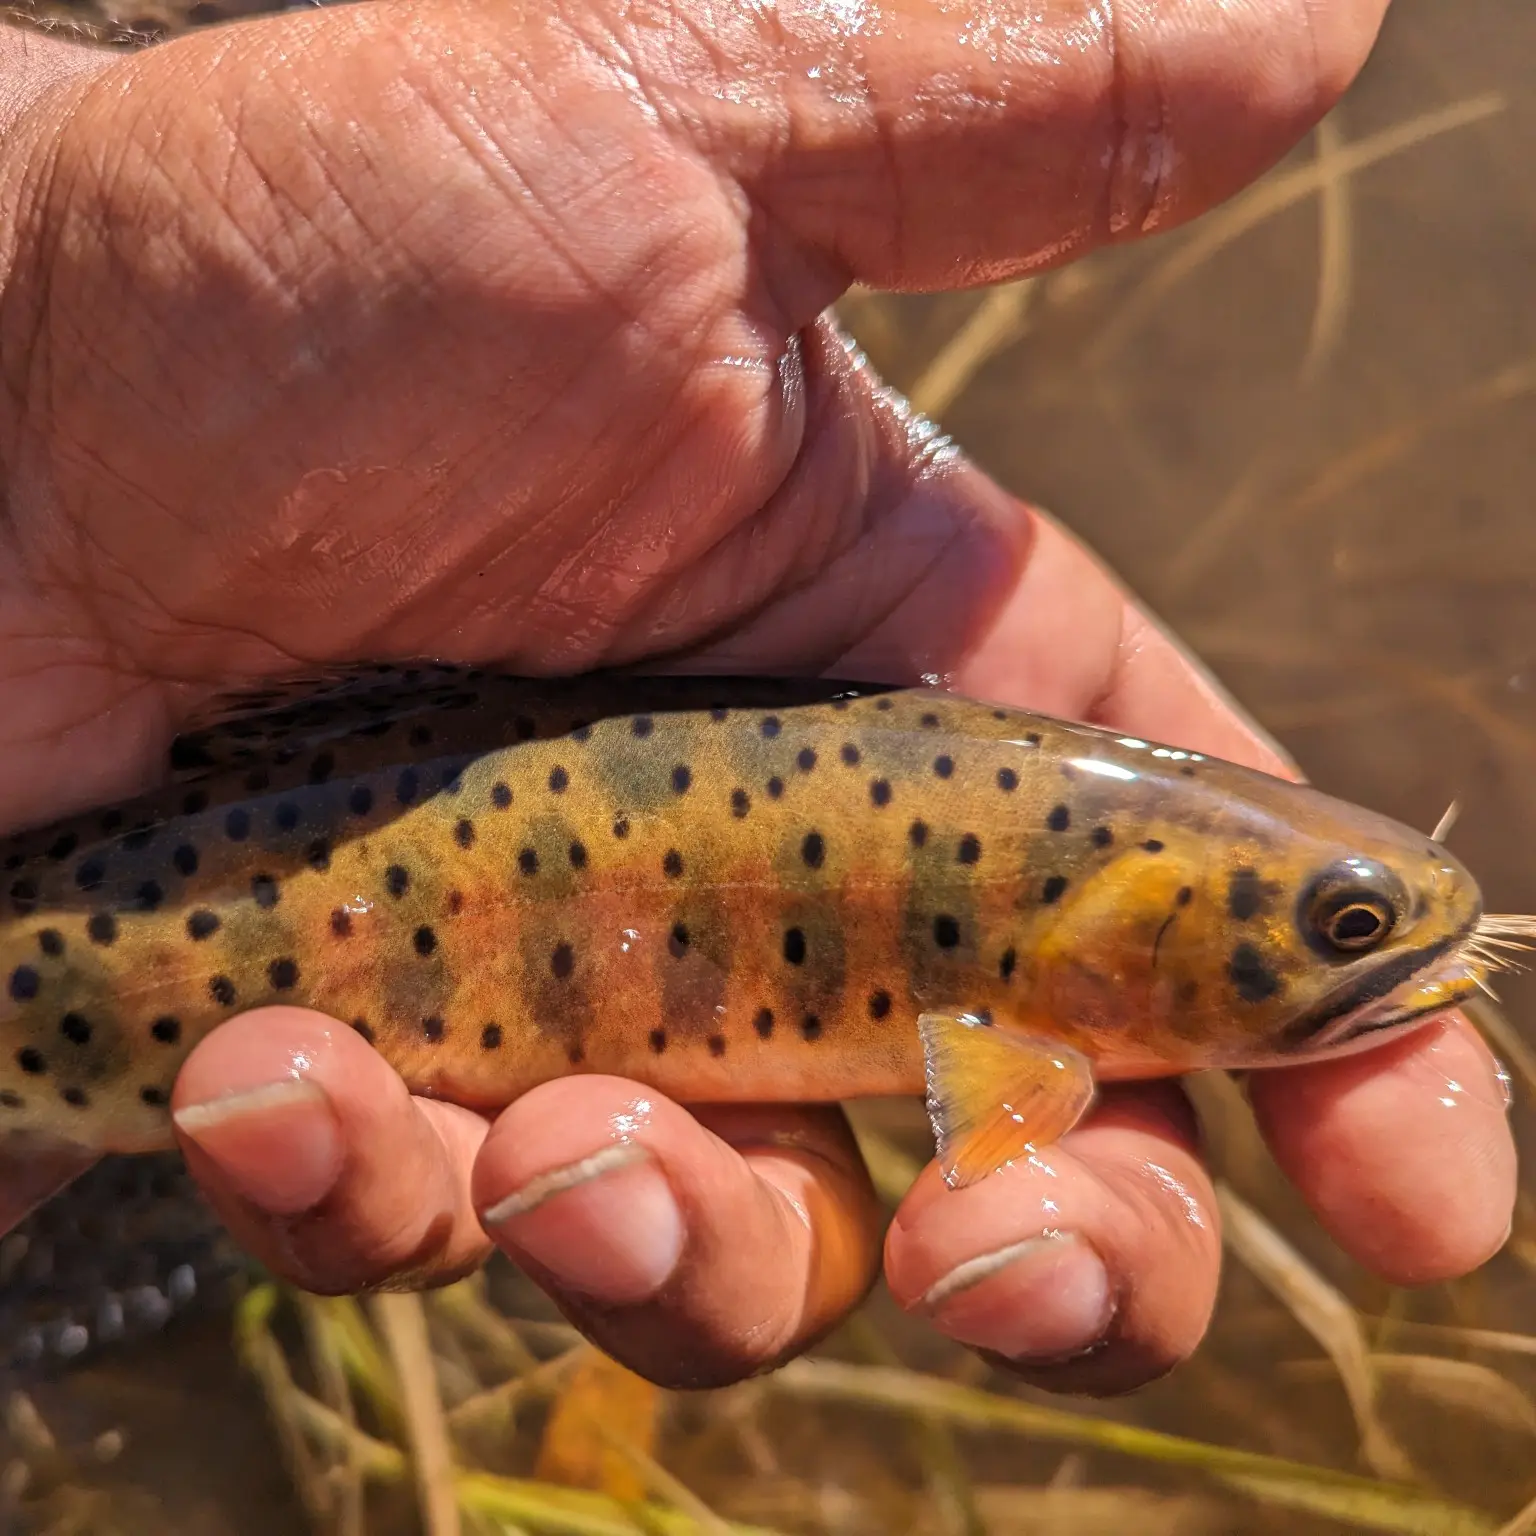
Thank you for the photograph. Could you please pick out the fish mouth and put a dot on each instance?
(1410, 987)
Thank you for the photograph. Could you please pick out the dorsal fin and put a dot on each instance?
(286, 717)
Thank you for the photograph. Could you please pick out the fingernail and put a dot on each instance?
(607, 1226)
(1045, 1298)
(278, 1146)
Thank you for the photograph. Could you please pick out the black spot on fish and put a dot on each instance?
(464, 832)
(1032, 737)
(284, 974)
(672, 864)
(794, 946)
(642, 726)
(1187, 771)
(558, 779)
(563, 961)
(455, 902)
(341, 923)
(31, 1061)
(424, 941)
(102, 928)
(11, 1100)
(1246, 894)
(166, 1029)
(677, 941)
(813, 850)
(917, 833)
(1153, 845)
(929, 722)
(62, 846)
(883, 705)
(51, 942)
(397, 880)
(75, 1028)
(621, 826)
(771, 726)
(763, 1023)
(407, 786)
(880, 792)
(185, 860)
(318, 854)
(1051, 891)
(682, 777)
(850, 754)
(1007, 780)
(879, 1004)
(1101, 837)
(264, 891)
(148, 896)
(420, 736)
(322, 767)
(154, 1097)
(194, 803)
(577, 853)
(75, 1097)
(810, 1027)
(23, 895)
(1185, 896)
(969, 851)
(1008, 964)
(237, 825)
(1250, 976)
(202, 923)
(716, 1044)
(741, 803)
(360, 801)
(775, 787)
(364, 1029)
(286, 816)
(222, 989)
(88, 876)
(805, 759)
(944, 765)
(658, 1041)
(946, 931)
(432, 1027)
(501, 796)
(528, 861)
(25, 983)
(1059, 819)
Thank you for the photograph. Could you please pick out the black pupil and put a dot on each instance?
(1355, 924)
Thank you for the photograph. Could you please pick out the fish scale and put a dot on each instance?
(729, 889)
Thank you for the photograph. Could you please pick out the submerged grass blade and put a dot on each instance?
(1368, 1505)
(1324, 1313)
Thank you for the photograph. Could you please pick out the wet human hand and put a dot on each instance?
(461, 330)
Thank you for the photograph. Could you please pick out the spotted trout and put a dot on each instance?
(726, 889)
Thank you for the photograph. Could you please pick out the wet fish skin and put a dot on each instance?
(729, 889)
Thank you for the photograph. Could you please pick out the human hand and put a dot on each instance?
(490, 332)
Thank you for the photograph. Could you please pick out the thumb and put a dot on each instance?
(913, 144)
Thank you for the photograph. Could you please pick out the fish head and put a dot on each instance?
(1264, 924)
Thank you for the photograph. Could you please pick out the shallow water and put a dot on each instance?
(1308, 445)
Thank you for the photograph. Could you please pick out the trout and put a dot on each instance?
(726, 889)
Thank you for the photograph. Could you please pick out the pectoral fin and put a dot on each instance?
(993, 1093)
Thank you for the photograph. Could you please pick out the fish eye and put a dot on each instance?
(1359, 924)
(1351, 907)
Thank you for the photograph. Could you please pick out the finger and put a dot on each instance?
(1092, 1267)
(1405, 1153)
(1076, 124)
(697, 1251)
(319, 1160)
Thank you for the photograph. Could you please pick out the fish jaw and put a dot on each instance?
(1410, 1006)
